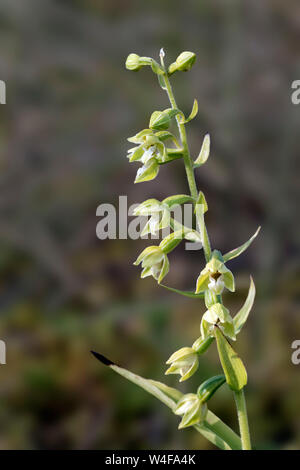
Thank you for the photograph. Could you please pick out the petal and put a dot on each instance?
(146, 251)
(165, 269)
(146, 273)
(136, 154)
(191, 370)
(228, 278)
(182, 353)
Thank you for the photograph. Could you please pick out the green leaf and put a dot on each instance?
(233, 367)
(185, 293)
(212, 428)
(201, 201)
(241, 317)
(194, 112)
(204, 152)
(237, 251)
(161, 82)
(173, 393)
(219, 433)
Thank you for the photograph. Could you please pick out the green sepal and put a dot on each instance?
(147, 172)
(136, 154)
(233, 367)
(237, 251)
(148, 207)
(204, 152)
(208, 388)
(140, 136)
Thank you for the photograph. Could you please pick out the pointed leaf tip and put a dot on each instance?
(237, 251)
(103, 359)
(242, 316)
(204, 152)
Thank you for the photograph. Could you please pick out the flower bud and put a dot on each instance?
(192, 410)
(171, 241)
(160, 120)
(183, 362)
(135, 62)
(184, 62)
(209, 387)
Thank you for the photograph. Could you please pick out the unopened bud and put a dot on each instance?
(183, 62)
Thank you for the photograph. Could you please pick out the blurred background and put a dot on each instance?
(70, 107)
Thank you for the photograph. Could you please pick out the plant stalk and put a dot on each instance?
(186, 153)
(189, 168)
(243, 419)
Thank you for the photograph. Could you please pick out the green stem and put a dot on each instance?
(189, 168)
(243, 419)
(186, 153)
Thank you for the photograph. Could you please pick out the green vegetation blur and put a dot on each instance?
(70, 107)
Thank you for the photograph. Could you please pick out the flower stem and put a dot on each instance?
(243, 419)
(186, 153)
(189, 169)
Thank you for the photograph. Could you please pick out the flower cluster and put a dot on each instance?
(217, 324)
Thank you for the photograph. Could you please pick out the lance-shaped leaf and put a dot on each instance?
(201, 204)
(185, 293)
(204, 152)
(233, 367)
(237, 251)
(194, 112)
(212, 428)
(241, 317)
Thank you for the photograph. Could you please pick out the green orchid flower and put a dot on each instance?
(154, 263)
(159, 213)
(150, 151)
(192, 410)
(183, 362)
(217, 314)
(215, 276)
